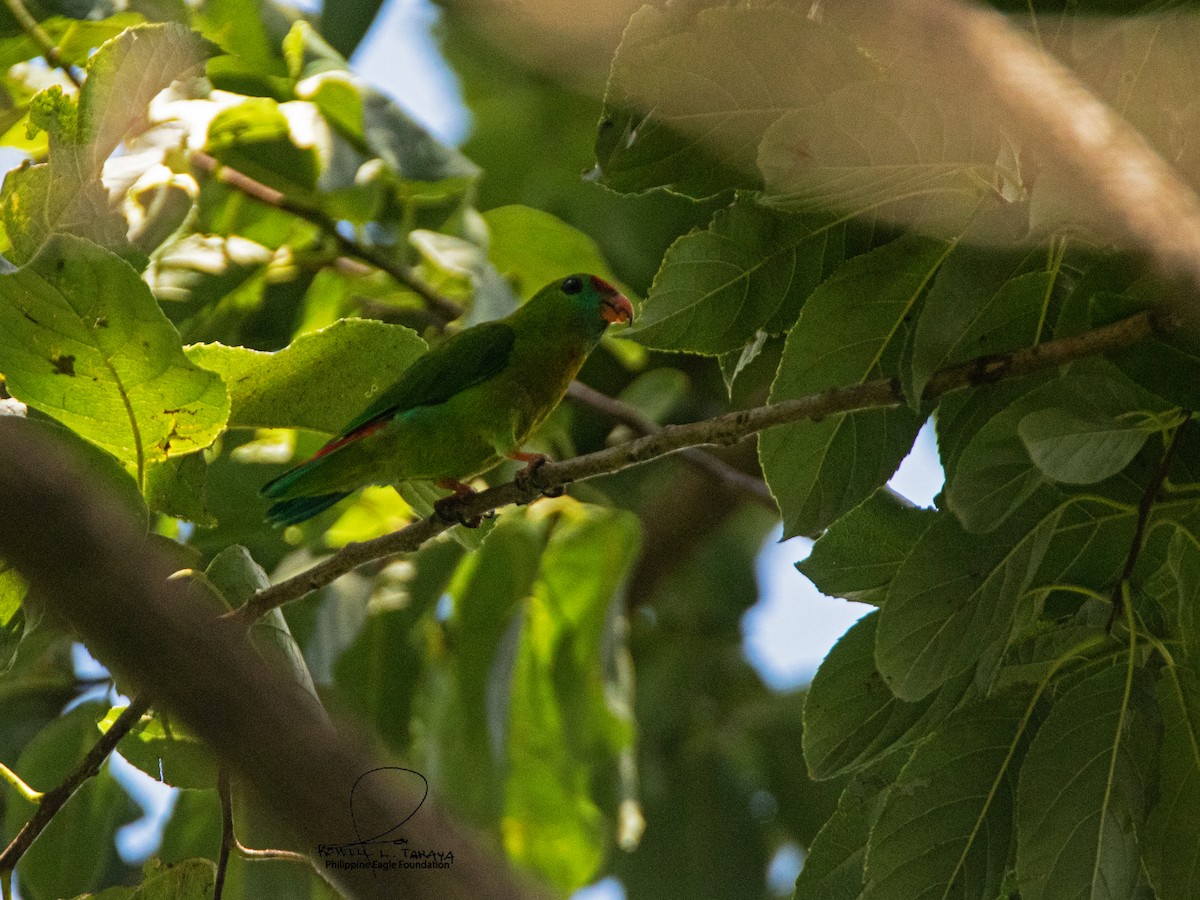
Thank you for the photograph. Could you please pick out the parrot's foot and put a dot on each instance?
(449, 509)
(526, 477)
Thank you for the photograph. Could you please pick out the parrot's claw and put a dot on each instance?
(526, 477)
(449, 509)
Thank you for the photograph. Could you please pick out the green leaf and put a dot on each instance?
(851, 717)
(820, 470)
(83, 830)
(561, 727)
(947, 826)
(985, 299)
(345, 22)
(1098, 424)
(82, 340)
(1082, 797)
(1171, 838)
(750, 270)
(992, 475)
(12, 614)
(861, 552)
(319, 381)
(379, 674)
(191, 879)
(65, 193)
(833, 868)
(995, 472)
(691, 93)
(255, 137)
(531, 248)
(166, 751)
(1183, 559)
(953, 602)
(883, 147)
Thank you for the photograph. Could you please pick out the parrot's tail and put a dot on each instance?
(296, 510)
(293, 510)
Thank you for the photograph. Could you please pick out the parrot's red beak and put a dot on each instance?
(614, 306)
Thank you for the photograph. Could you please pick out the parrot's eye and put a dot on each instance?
(572, 285)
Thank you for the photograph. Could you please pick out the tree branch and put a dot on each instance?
(730, 477)
(93, 565)
(445, 308)
(968, 52)
(42, 40)
(54, 800)
(725, 429)
(1145, 507)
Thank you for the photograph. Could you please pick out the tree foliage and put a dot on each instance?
(226, 244)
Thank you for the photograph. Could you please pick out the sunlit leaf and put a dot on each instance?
(82, 340)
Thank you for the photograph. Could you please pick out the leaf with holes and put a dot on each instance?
(82, 340)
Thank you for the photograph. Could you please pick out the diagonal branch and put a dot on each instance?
(445, 308)
(54, 800)
(725, 429)
(967, 51)
(1149, 496)
(732, 478)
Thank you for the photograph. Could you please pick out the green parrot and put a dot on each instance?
(463, 406)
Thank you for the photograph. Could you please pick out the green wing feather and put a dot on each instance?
(461, 362)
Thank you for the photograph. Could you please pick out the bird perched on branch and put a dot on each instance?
(464, 406)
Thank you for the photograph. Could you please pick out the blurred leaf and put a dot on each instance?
(1082, 797)
(884, 148)
(178, 487)
(165, 751)
(947, 825)
(561, 728)
(345, 22)
(531, 248)
(82, 340)
(752, 269)
(692, 92)
(74, 39)
(1172, 834)
(191, 879)
(84, 829)
(378, 675)
(256, 137)
(821, 470)
(65, 194)
(319, 381)
(858, 556)
(12, 614)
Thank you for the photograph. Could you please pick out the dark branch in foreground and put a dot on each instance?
(726, 429)
(973, 54)
(94, 566)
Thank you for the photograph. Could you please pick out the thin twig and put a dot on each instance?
(19, 784)
(227, 838)
(721, 430)
(44, 44)
(444, 307)
(54, 799)
(230, 842)
(1145, 507)
(622, 412)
